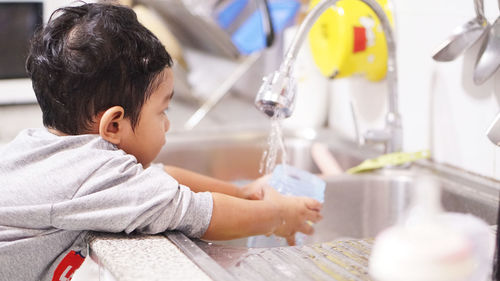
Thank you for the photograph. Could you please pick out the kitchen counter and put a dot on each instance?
(142, 257)
(155, 257)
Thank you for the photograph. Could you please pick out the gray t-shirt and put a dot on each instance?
(53, 189)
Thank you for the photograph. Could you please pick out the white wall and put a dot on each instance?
(441, 107)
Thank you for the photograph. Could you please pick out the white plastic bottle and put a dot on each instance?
(432, 245)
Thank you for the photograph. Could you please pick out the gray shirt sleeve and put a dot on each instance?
(122, 196)
(53, 189)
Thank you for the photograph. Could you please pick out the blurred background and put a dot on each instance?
(223, 49)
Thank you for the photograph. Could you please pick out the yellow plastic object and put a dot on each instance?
(391, 159)
(348, 39)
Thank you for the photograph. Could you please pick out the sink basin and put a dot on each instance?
(356, 208)
(355, 205)
(235, 155)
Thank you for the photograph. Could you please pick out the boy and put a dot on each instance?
(103, 82)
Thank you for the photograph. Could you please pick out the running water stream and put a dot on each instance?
(276, 144)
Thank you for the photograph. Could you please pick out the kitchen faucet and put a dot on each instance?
(276, 95)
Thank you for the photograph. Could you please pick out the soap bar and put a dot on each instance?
(289, 180)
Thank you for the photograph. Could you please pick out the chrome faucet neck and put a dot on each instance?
(270, 97)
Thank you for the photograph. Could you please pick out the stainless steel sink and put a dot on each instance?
(356, 207)
(236, 155)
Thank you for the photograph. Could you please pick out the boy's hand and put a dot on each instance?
(297, 213)
(255, 189)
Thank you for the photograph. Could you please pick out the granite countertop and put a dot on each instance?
(142, 257)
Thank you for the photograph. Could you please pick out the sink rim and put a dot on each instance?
(476, 185)
(218, 272)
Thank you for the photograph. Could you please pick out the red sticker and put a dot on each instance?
(67, 267)
(359, 39)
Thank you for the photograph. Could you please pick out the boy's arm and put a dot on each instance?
(276, 214)
(200, 183)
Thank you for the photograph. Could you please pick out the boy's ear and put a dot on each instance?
(111, 125)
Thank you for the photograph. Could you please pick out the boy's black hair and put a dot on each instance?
(92, 57)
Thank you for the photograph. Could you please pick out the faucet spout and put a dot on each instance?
(277, 93)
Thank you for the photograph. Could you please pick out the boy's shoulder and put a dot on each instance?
(37, 146)
(56, 168)
(42, 140)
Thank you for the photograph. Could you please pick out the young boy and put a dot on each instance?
(103, 82)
